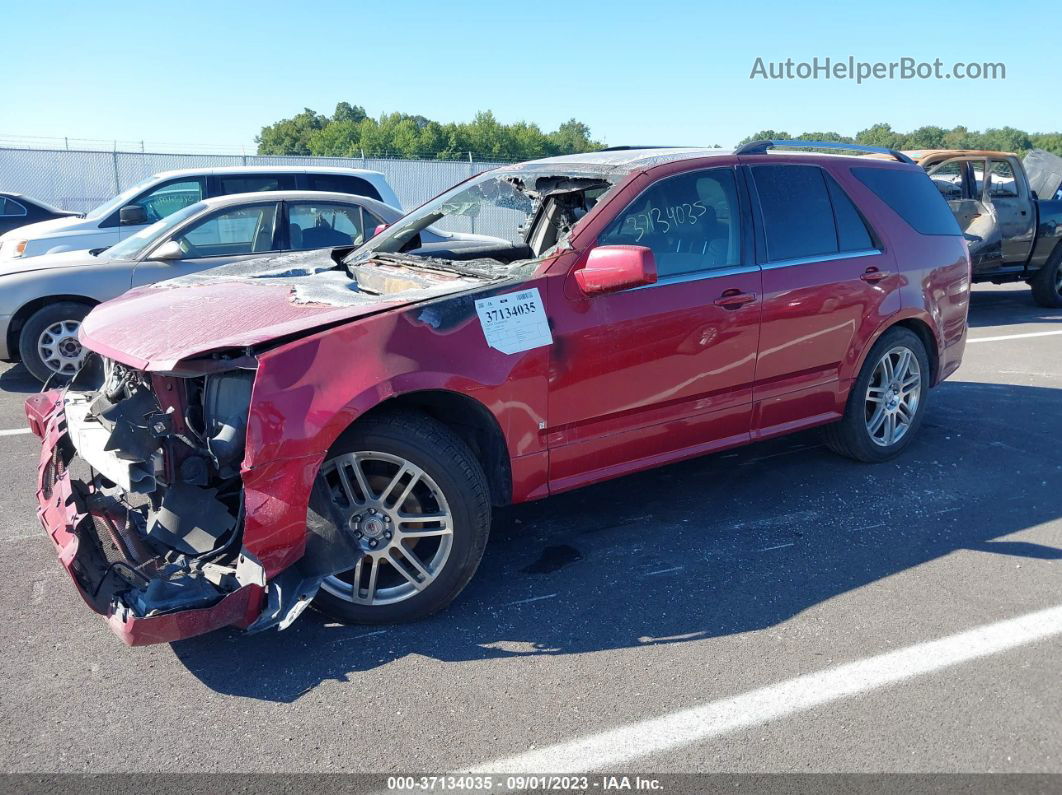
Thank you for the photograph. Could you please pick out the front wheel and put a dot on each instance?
(887, 402)
(48, 343)
(415, 502)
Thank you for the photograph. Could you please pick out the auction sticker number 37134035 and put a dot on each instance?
(514, 322)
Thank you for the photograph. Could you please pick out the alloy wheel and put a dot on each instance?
(892, 396)
(59, 348)
(399, 519)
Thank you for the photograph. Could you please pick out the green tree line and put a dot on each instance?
(1007, 139)
(350, 132)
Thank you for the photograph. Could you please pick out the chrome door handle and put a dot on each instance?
(734, 299)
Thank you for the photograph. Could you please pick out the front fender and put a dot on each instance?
(309, 391)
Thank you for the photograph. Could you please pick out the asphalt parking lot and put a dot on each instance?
(690, 586)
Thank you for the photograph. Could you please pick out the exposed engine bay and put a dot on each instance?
(157, 459)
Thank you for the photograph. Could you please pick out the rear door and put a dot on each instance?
(228, 235)
(827, 285)
(327, 225)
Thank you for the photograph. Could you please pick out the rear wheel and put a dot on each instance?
(416, 502)
(48, 343)
(1047, 283)
(887, 401)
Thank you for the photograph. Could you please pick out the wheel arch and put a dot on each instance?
(468, 418)
(920, 327)
(24, 312)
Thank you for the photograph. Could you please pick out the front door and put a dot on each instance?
(1011, 203)
(656, 373)
(226, 236)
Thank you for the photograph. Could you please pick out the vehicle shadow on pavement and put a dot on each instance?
(17, 379)
(1009, 306)
(725, 544)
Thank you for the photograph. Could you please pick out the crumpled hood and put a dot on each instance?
(249, 303)
(67, 259)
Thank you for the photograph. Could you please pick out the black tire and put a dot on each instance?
(34, 327)
(850, 436)
(447, 460)
(1047, 283)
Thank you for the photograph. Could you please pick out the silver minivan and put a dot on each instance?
(169, 191)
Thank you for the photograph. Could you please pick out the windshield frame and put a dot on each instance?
(102, 211)
(429, 213)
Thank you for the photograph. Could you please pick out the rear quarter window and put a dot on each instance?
(339, 183)
(912, 195)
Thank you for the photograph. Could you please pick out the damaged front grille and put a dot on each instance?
(162, 493)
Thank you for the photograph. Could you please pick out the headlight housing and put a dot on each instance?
(14, 248)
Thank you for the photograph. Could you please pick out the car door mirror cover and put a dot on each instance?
(609, 269)
(170, 250)
(132, 215)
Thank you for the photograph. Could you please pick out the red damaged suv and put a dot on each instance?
(335, 427)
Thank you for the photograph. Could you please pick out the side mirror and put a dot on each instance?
(612, 268)
(132, 215)
(379, 229)
(171, 249)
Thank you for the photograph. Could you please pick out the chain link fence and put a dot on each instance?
(80, 180)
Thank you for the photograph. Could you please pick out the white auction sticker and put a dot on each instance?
(514, 322)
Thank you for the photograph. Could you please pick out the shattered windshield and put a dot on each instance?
(492, 225)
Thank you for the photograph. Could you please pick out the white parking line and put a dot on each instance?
(529, 601)
(15, 432)
(663, 571)
(1015, 336)
(779, 546)
(635, 740)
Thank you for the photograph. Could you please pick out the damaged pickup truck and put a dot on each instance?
(335, 427)
(1010, 212)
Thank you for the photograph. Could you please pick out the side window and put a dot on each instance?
(852, 232)
(339, 183)
(241, 230)
(1001, 182)
(254, 183)
(948, 179)
(312, 225)
(170, 197)
(797, 214)
(911, 195)
(691, 222)
(10, 207)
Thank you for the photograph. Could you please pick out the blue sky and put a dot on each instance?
(636, 72)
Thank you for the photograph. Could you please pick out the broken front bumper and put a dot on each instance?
(63, 510)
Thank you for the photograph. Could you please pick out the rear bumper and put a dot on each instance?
(62, 509)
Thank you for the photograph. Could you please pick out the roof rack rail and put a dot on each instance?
(761, 147)
(626, 148)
